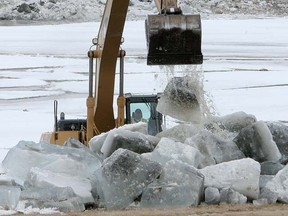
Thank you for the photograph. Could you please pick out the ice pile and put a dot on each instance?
(233, 159)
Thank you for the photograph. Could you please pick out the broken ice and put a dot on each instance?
(179, 101)
(179, 186)
(241, 175)
(123, 177)
(256, 141)
(168, 149)
(214, 148)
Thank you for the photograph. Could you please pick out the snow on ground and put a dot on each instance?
(85, 10)
(245, 68)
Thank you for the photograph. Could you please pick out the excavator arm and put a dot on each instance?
(172, 38)
(106, 54)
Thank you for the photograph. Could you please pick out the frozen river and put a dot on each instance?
(245, 69)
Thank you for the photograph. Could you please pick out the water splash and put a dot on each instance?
(194, 80)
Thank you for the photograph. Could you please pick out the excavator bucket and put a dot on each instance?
(173, 39)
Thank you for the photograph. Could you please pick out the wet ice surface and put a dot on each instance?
(244, 70)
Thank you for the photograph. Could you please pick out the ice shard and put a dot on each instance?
(134, 141)
(179, 100)
(230, 196)
(180, 132)
(277, 188)
(168, 149)
(241, 175)
(214, 148)
(71, 161)
(212, 196)
(123, 177)
(9, 197)
(234, 122)
(173, 191)
(279, 132)
(256, 142)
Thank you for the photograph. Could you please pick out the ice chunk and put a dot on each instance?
(72, 161)
(173, 191)
(74, 143)
(241, 175)
(123, 177)
(168, 149)
(260, 202)
(230, 196)
(134, 141)
(24, 207)
(96, 143)
(9, 197)
(277, 188)
(256, 141)
(69, 205)
(180, 101)
(264, 179)
(212, 196)
(42, 178)
(234, 122)
(7, 180)
(214, 148)
(48, 207)
(279, 132)
(52, 193)
(271, 167)
(180, 132)
(136, 127)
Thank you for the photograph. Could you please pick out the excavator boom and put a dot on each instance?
(109, 41)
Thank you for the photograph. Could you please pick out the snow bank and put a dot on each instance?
(85, 10)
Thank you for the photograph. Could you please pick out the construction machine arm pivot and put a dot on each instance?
(167, 7)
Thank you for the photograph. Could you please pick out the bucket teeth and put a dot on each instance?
(173, 39)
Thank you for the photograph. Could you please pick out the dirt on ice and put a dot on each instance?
(203, 210)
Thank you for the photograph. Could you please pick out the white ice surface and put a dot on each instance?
(245, 65)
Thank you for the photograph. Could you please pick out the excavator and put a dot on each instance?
(172, 39)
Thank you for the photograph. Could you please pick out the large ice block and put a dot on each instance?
(179, 100)
(71, 161)
(168, 149)
(256, 141)
(123, 177)
(179, 186)
(214, 148)
(134, 141)
(241, 175)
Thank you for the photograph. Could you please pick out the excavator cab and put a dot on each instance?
(173, 38)
(142, 108)
(138, 108)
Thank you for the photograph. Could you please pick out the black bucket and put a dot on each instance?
(174, 39)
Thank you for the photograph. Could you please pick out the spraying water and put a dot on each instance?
(184, 97)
